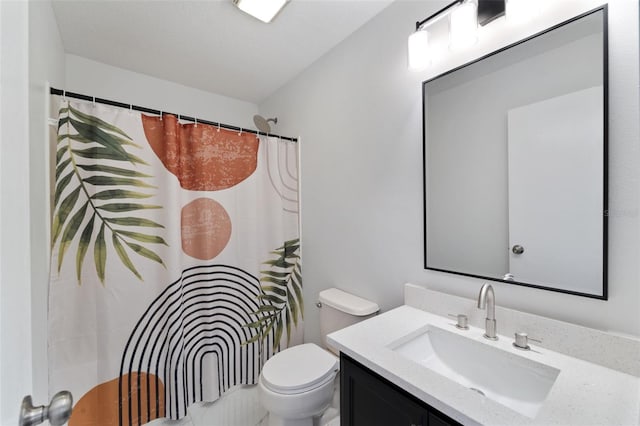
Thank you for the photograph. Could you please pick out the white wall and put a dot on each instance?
(15, 321)
(358, 113)
(46, 66)
(93, 78)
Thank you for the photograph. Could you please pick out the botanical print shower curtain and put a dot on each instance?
(175, 270)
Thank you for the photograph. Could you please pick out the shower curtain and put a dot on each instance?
(175, 269)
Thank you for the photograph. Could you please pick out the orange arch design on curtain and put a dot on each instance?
(202, 157)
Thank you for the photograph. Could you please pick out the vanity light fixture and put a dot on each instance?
(419, 50)
(519, 11)
(463, 25)
(264, 10)
(464, 17)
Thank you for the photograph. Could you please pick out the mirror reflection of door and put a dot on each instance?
(555, 195)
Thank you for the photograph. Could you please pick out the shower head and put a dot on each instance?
(263, 123)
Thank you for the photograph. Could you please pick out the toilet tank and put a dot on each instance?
(341, 309)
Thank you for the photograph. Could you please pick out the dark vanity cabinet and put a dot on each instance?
(367, 399)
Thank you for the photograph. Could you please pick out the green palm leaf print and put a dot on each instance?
(281, 302)
(98, 193)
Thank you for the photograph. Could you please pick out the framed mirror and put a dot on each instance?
(515, 162)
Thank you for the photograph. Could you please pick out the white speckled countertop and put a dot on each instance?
(583, 394)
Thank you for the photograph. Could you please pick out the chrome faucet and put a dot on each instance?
(487, 299)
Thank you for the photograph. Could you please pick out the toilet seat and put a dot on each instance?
(299, 369)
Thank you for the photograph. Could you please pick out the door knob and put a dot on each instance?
(517, 249)
(57, 412)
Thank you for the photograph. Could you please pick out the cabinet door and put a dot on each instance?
(366, 400)
(441, 420)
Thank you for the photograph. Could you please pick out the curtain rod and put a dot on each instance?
(158, 112)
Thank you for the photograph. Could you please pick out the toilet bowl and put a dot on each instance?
(297, 385)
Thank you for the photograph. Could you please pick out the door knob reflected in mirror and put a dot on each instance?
(57, 412)
(517, 249)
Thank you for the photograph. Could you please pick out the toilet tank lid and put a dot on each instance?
(347, 302)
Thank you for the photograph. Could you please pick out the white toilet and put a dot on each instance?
(297, 384)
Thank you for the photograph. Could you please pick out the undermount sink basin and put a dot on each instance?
(504, 377)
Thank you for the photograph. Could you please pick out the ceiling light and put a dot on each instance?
(264, 10)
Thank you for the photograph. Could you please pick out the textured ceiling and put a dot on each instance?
(210, 45)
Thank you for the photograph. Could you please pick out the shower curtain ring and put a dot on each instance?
(94, 101)
(195, 120)
(160, 115)
(240, 132)
(218, 127)
(64, 95)
(130, 109)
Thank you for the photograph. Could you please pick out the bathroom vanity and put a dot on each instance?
(368, 399)
(412, 365)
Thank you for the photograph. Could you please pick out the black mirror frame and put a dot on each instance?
(605, 213)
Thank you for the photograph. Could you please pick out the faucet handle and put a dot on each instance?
(463, 322)
(522, 341)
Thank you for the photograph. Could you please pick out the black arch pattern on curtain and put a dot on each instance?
(201, 314)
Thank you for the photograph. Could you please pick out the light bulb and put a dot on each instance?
(518, 11)
(418, 50)
(463, 25)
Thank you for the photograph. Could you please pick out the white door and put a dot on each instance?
(555, 157)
